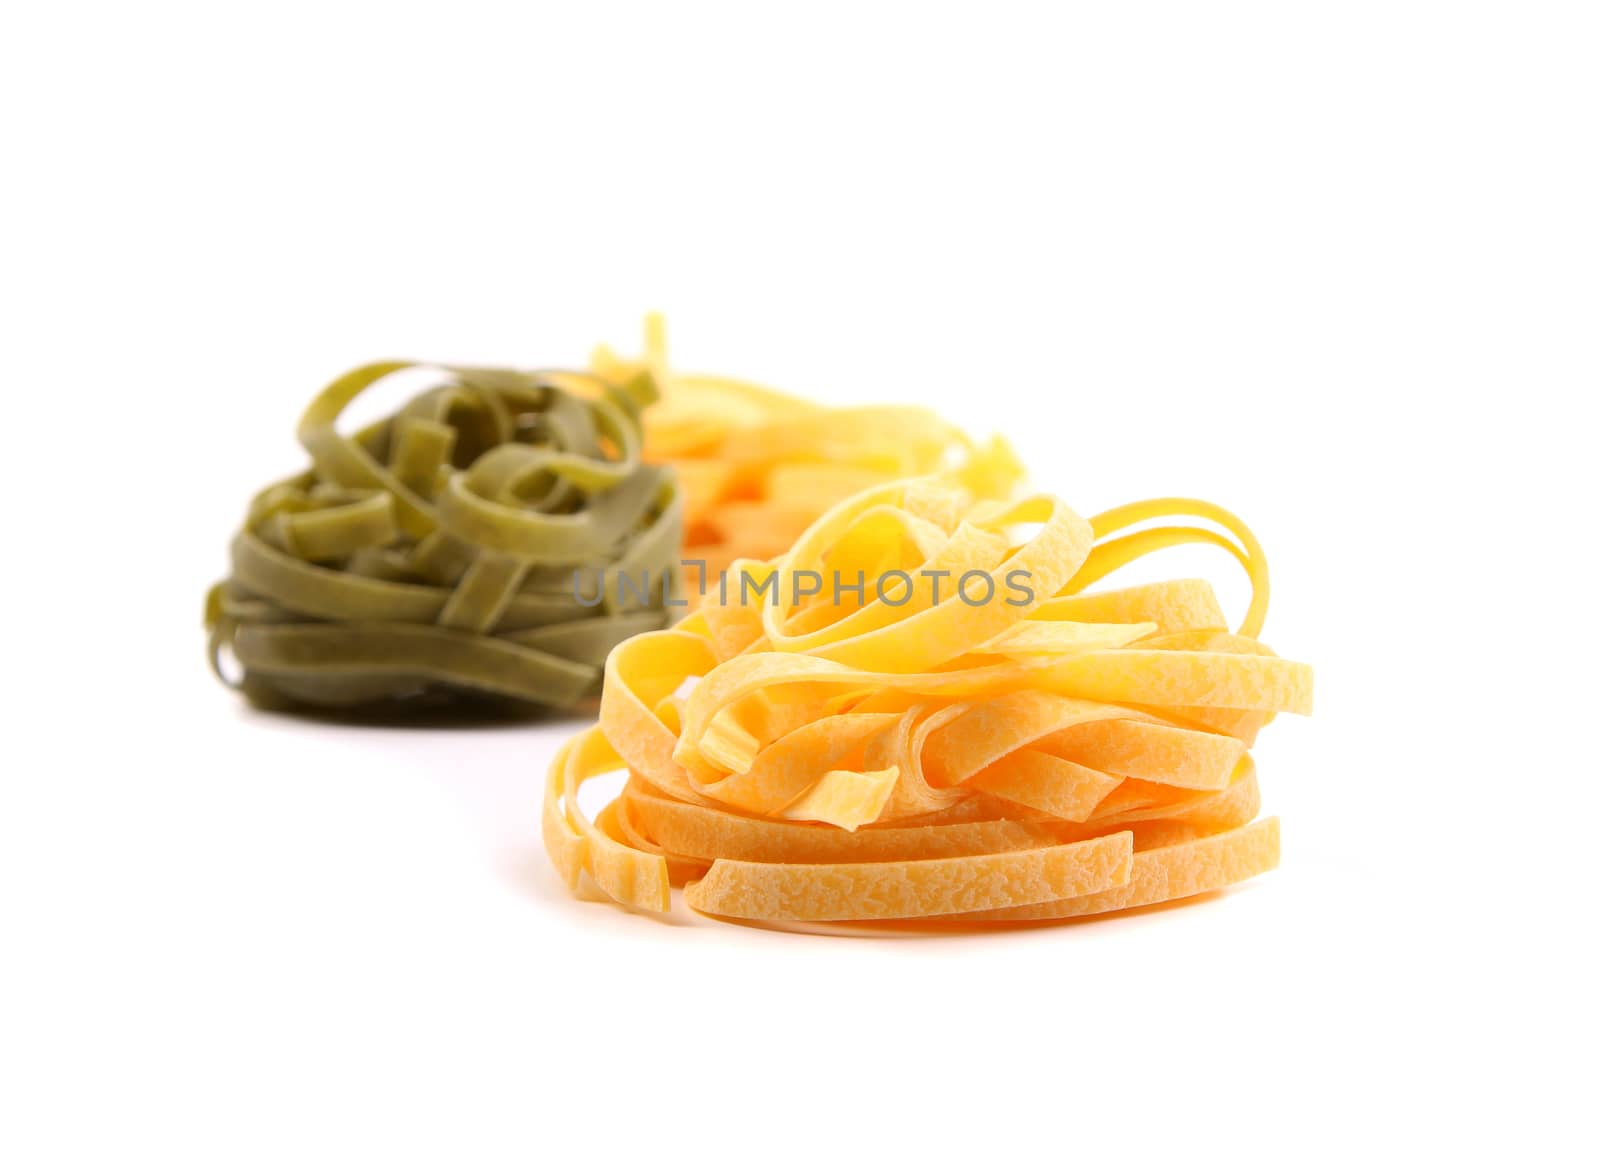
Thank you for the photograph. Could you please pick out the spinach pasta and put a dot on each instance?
(438, 554)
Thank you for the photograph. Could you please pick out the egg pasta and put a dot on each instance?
(759, 466)
(866, 757)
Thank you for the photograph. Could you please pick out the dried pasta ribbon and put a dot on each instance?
(440, 553)
(868, 757)
(758, 466)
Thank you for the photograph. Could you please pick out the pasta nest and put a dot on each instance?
(908, 754)
(759, 466)
(432, 555)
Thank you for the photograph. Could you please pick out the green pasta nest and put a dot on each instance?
(452, 551)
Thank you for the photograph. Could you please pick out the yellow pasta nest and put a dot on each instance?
(971, 737)
(758, 467)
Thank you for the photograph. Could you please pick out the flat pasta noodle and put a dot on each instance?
(758, 467)
(1056, 751)
(468, 548)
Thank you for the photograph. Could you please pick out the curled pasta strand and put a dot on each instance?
(1116, 553)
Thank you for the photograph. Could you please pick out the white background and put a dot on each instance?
(1334, 267)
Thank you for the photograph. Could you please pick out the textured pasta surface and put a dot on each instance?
(468, 548)
(912, 754)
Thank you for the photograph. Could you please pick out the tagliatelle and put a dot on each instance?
(1030, 751)
(433, 553)
(759, 466)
